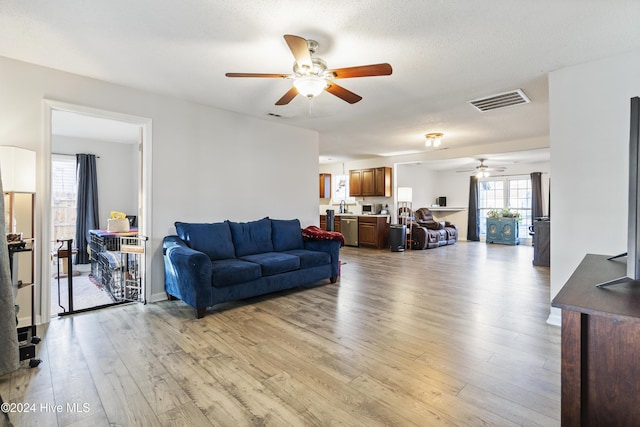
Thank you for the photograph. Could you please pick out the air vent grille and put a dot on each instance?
(501, 100)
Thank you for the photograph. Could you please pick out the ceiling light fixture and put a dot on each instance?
(310, 86)
(434, 139)
(482, 174)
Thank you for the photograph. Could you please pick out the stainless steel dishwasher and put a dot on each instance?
(349, 229)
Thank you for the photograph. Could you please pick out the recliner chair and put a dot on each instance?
(429, 233)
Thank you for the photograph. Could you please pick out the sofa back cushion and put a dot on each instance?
(213, 239)
(286, 235)
(251, 237)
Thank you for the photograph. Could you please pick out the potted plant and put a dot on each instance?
(508, 213)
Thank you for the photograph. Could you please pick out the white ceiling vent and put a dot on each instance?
(501, 100)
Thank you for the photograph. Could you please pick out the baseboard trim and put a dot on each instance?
(159, 296)
(555, 317)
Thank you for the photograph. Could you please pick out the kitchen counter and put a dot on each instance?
(369, 230)
(361, 215)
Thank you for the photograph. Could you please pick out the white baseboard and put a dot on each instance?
(24, 321)
(555, 317)
(159, 296)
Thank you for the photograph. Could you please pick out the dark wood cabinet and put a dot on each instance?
(368, 182)
(325, 185)
(355, 183)
(374, 182)
(600, 346)
(382, 177)
(373, 232)
(336, 223)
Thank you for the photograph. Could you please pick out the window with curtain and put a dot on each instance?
(510, 192)
(63, 197)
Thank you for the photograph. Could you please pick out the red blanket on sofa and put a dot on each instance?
(315, 233)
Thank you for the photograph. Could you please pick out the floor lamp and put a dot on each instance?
(405, 211)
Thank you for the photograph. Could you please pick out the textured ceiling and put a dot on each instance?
(443, 53)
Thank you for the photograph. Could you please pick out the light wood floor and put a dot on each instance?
(450, 336)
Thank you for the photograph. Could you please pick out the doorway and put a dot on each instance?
(122, 148)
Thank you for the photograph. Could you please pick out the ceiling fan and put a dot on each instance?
(482, 170)
(311, 76)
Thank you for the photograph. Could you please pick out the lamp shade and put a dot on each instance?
(18, 169)
(310, 86)
(405, 194)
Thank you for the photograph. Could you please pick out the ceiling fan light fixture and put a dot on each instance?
(482, 174)
(434, 139)
(310, 86)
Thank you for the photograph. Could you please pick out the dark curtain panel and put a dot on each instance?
(549, 205)
(473, 224)
(87, 204)
(536, 195)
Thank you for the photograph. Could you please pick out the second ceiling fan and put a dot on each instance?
(482, 170)
(311, 76)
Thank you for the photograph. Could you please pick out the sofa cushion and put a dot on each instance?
(230, 272)
(251, 237)
(274, 262)
(212, 239)
(309, 259)
(286, 235)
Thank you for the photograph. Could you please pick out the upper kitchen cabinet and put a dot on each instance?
(355, 183)
(375, 182)
(382, 177)
(325, 185)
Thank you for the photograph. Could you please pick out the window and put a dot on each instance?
(505, 193)
(63, 197)
(341, 190)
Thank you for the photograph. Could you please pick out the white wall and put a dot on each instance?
(423, 182)
(116, 170)
(589, 135)
(208, 164)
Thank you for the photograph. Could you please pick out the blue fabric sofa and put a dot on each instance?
(207, 264)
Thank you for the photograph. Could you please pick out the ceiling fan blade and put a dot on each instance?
(342, 93)
(300, 50)
(287, 97)
(262, 75)
(362, 71)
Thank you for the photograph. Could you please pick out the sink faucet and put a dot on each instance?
(343, 206)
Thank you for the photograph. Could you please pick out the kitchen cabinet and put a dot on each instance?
(382, 177)
(374, 182)
(325, 185)
(373, 231)
(336, 223)
(368, 182)
(355, 183)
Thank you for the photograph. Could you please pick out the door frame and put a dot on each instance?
(44, 201)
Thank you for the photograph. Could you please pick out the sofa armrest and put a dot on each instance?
(187, 273)
(332, 247)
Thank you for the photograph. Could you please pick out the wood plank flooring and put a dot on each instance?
(451, 336)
